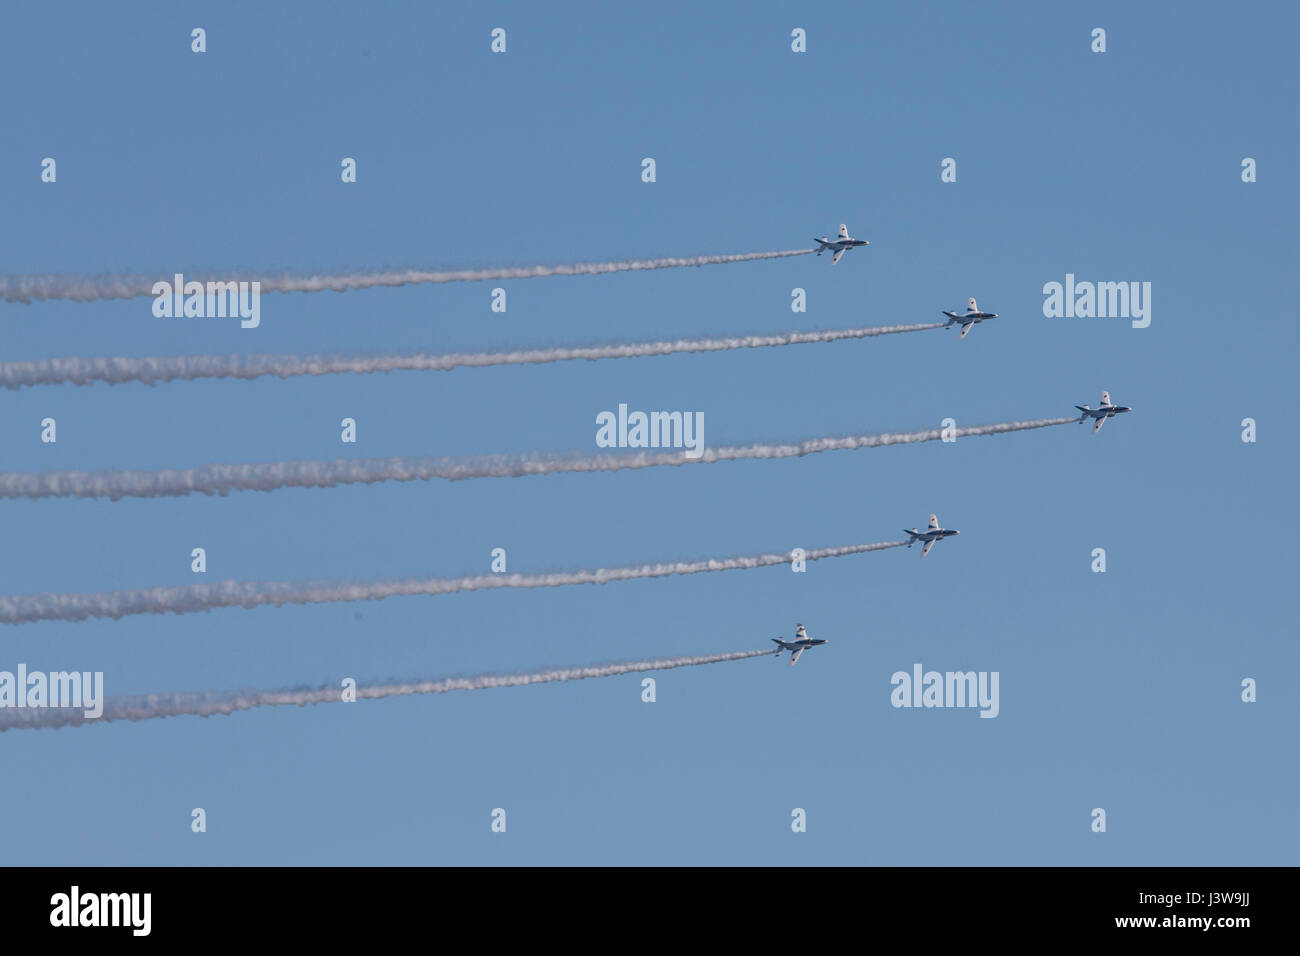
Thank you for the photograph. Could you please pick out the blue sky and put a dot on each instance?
(1118, 690)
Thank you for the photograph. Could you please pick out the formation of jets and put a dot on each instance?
(1102, 412)
(840, 244)
(967, 320)
(929, 536)
(802, 641)
(972, 316)
(800, 644)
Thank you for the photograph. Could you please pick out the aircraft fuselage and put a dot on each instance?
(837, 244)
(795, 645)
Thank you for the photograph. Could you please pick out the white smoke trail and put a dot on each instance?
(223, 479)
(151, 371)
(84, 288)
(148, 706)
(21, 609)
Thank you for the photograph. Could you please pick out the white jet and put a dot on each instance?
(1102, 412)
(970, 317)
(800, 644)
(930, 536)
(839, 245)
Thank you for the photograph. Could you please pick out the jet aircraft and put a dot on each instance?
(800, 644)
(839, 245)
(929, 536)
(1102, 412)
(969, 318)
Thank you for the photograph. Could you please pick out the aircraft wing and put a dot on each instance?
(836, 258)
(1101, 420)
(966, 328)
(794, 658)
(928, 545)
